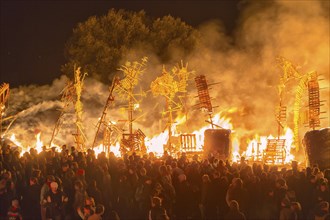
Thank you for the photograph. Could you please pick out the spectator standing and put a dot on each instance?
(55, 200)
(285, 212)
(14, 212)
(234, 212)
(30, 201)
(43, 199)
(157, 210)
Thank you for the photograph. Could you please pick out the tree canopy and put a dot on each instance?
(100, 44)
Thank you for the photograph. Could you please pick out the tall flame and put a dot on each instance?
(254, 152)
(15, 141)
(235, 150)
(39, 143)
(156, 144)
(257, 146)
(113, 148)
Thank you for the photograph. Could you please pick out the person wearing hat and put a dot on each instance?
(55, 201)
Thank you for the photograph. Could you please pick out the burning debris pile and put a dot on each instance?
(162, 107)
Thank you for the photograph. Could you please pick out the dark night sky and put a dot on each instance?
(33, 33)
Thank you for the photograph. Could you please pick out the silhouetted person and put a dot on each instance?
(99, 210)
(285, 212)
(321, 212)
(296, 213)
(30, 201)
(234, 212)
(156, 210)
(237, 192)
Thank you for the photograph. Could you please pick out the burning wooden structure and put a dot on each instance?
(71, 94)
(205, 104)
(316, 142)
(314, 103)
(134, 142)
(211, 139)
(108, 128)
(131, 141)
(169, 85)
(217, 139)
(4, 96)
(188, 142)
(275, 149)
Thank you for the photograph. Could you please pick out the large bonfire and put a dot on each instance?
(249, 93)
(253, 149)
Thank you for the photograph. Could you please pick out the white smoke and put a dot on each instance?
(246, 66)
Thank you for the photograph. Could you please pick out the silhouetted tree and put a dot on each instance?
(100, 43)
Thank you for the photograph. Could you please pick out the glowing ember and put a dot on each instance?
(136, 106)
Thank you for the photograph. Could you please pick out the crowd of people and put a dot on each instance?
(81, 185)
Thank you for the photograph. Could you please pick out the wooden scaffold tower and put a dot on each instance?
(275, 149)
(314, 103)
(131, 141)
(168, 85)
(205, 104)
(71, 94)
(103, 122)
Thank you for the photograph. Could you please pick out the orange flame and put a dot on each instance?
(39, 143)
(254, 151)
(15, 141)
(156, 144)
(257, 146)
(115, 149)
(235, 150)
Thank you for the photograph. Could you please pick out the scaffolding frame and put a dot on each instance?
(102, 121)
(188, 143)
(314, 103)
(274, 152)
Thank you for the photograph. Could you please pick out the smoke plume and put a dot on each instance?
(244, 65)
